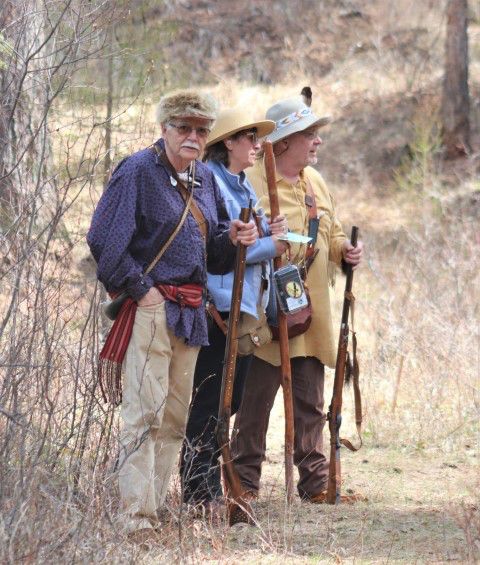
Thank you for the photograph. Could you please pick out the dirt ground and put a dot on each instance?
(413, 497)
(417, 502)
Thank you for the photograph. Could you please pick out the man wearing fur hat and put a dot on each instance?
(302, 194)
(158, 194)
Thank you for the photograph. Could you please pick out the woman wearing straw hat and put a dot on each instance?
(232, 147)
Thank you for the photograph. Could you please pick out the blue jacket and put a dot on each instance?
(237, 192)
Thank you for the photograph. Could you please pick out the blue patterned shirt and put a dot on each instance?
(136, 214)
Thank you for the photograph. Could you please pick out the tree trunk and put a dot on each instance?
(455, 102)
(24, 149)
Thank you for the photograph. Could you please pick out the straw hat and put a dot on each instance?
(292, 116)
(234, 120)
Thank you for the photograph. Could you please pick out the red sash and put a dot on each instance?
(115, 347)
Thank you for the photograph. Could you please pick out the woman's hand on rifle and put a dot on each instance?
(245, 233)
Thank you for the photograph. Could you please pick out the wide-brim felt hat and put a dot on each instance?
(230, 122)
(292, 116)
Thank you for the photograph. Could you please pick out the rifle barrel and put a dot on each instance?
(335, 411)
(349, 281)
(238, 509)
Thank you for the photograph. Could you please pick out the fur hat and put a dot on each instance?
(186, 104)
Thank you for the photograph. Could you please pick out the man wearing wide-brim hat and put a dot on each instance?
(302, 195)
(159, 224)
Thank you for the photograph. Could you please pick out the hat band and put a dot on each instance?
(291, 118)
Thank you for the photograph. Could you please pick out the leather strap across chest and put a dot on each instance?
(311, 206)
(184, 191)
(310, 202)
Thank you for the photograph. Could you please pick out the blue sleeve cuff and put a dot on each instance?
(140, 288)
(262, 250)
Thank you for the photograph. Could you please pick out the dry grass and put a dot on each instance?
(417, 318)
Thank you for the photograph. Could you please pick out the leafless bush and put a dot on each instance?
(418, 298)
(55, 441)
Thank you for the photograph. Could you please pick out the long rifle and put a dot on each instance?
(238, 509)
(282, 331)
(335, 410)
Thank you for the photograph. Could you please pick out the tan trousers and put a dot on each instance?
(157, 386)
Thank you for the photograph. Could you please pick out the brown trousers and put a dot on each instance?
(251, 423)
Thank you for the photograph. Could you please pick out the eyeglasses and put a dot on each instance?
(186, 129)
(252, 136)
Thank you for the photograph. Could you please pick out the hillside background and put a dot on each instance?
(376, 67)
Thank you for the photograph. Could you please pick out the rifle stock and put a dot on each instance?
(335, 410)
(238, 510)
(283, 332)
